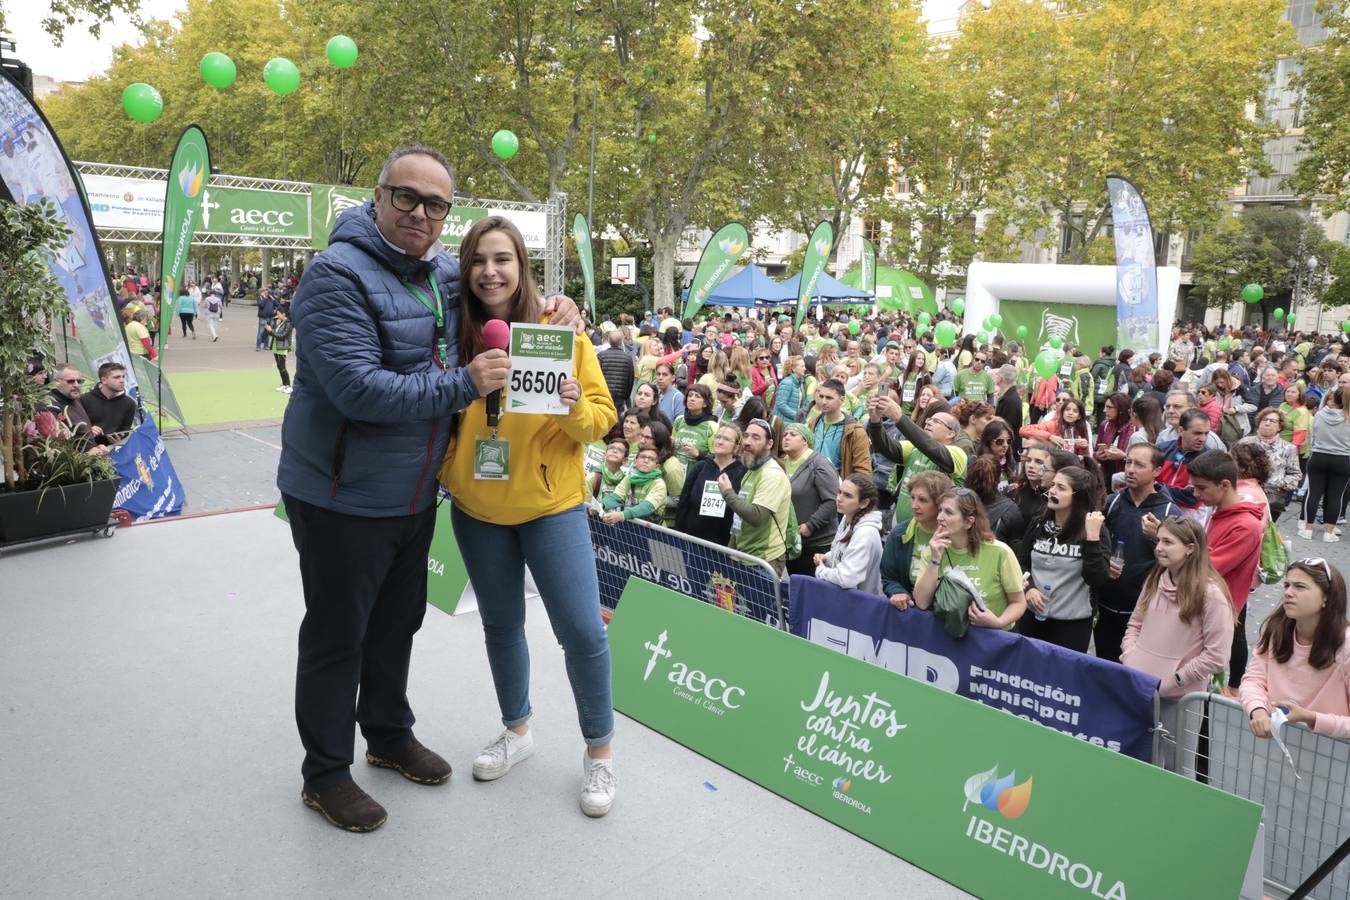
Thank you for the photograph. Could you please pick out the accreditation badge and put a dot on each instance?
(491, 459)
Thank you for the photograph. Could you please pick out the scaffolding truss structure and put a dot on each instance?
(552, 256)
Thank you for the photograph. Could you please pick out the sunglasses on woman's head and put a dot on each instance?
(1314, 561)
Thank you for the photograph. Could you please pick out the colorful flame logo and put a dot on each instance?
(190, 180)
(1001, 795)
(823, 247)
(170, 287)
(843, 784)
(731, 245)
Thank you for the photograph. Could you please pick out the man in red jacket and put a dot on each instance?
(1235, 533)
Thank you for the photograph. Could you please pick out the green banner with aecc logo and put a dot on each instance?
(995, 805)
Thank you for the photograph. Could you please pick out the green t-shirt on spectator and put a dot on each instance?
(770, 487)
(974, 386)
(994, 572)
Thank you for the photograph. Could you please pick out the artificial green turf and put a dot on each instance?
(237, 395)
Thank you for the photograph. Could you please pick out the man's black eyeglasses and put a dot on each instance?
(407, 200)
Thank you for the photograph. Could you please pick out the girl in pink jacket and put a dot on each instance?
(1182, 628)
(1181, 631)
(1302, 659)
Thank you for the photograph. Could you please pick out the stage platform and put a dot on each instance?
(148, 749)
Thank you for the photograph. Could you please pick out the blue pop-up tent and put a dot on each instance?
(747, 287)
(829, 290)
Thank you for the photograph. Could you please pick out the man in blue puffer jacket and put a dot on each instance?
(378, 383)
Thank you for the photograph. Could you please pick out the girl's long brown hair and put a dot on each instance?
(526, 305)
(1277, 631)
(1194, 577)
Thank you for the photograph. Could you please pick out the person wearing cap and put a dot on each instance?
(926, 449)
(815, 485)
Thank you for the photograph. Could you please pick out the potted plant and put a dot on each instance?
(51, 483)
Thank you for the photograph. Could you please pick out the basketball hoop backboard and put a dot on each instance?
(622, 269)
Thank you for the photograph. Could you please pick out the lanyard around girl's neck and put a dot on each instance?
(437, 310)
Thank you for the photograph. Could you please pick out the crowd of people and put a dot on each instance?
(1120, 504)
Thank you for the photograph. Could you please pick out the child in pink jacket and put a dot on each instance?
(1302, 659)
(1181, 631)
(1182, 628)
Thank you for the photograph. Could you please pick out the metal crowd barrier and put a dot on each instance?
(735, 581)
(1307, 802)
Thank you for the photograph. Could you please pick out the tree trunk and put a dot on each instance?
(7, 450)
(663, 267)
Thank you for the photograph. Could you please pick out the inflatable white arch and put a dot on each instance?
(1061, 290)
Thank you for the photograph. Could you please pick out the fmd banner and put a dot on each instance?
(1100, 702)
(188, 170)
(997, 806)
(150, 488)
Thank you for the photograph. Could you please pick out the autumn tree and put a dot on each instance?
(1325, 82)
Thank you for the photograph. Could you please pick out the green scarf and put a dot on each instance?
(611, 479)
(642, 479)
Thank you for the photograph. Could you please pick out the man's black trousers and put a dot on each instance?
(365, 583)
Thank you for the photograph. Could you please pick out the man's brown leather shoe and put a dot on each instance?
(413, 761)
(346, 806)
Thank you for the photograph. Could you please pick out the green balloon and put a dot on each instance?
(1279, 312)
(854, 328)
(1253, 293)
(959, 306)
(281, 76)
(1056, 342)
(218, 70)
(1345, 326)
(1224, 343)
(650, 71)
(945, 334)
(142, 102)
(1022, 332)
(982, 337)
(651, 138)
(505, 144)
(925, 318)
(342, 51)
(987, 324)
(1047, 362)
(997, 321)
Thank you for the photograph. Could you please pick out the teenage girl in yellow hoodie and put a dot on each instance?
(535, 515)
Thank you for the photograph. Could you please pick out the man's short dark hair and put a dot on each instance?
(833, 384)
(108, 368)
(414, 150)
(1214, 465)
(1155, 454)
(1190, 417)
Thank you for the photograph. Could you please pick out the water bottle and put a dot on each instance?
(1045, 592)
(1118, 559)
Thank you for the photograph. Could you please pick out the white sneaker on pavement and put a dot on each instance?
(281, 389)
(597, 786)
(497, 758)
(1330, 538)
(1305, 533)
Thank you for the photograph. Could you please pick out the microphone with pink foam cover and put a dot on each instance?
(496, 336)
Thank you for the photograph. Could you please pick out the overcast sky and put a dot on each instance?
(82, 55)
